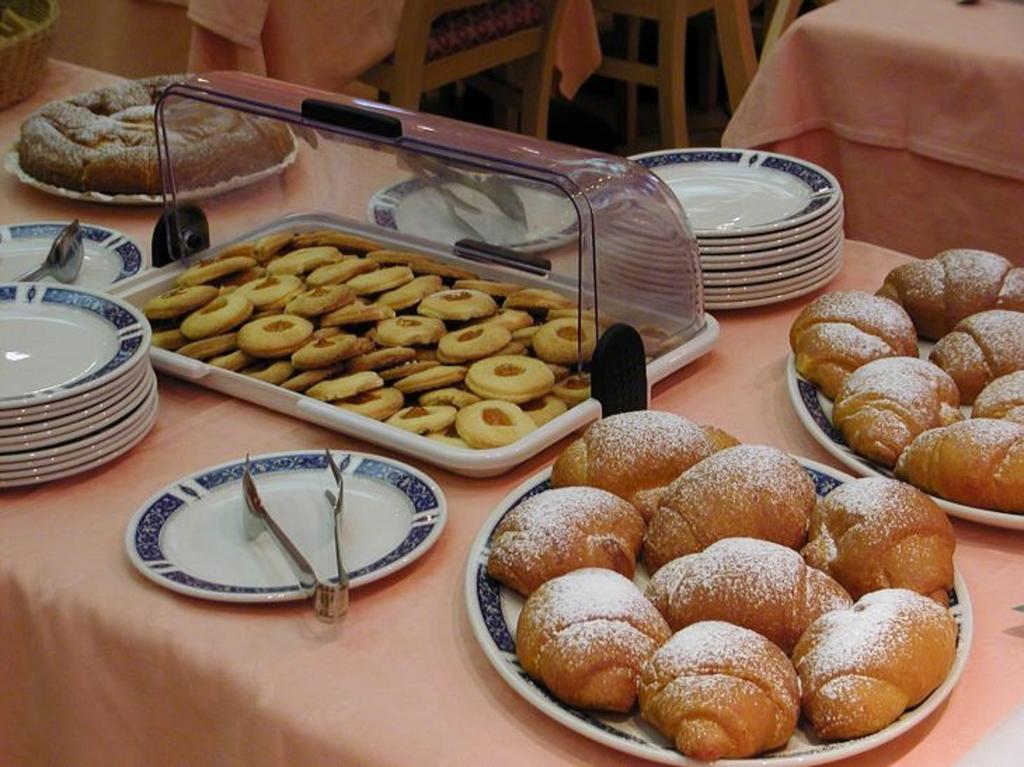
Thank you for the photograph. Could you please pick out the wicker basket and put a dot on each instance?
(23, 54)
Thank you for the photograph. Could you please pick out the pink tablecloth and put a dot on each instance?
(101, 666)
(327, 43)
(916, 106)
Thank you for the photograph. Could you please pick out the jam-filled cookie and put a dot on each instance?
(407, 369)
(564, 341)
(320, 300)
(271, 290)
(458, 305)
(276, 336)
(490, 287)
(411, 293)
(269, 245)
(378, 404)
(510, 378)
(381, 280)
(325, 352)
(271, 371)
(178, 301)
(573, 389)
(510, 319)
(379, 359)
(433, 378)
(169, 339)
(356, 313)
(208, 271)
(233, 361)
(409, 330)
(345, 386)
(306, 378)
(513, 348)
(241, 278)
(211, 346)
(450, 437)
(536, 300)
(449, 395)
(492, 423)
(219, 316)
(393, 257)
(429, 266)
(544, 409)
(421, 419)
(346, 243)
(560, 372)
(342, 271)
(472, 343)
(305, 260)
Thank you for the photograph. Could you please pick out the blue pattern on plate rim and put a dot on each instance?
(127, 251)
(153, 519)
(7, 292)
(488, 593)
(131, 259)
(681, 158)
(116, 315)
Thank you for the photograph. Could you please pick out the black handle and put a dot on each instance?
(477, 250)
(352, 118)
(618, 371)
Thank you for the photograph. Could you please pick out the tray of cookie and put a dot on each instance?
(561, 284)
(923, 380)
(781, 612)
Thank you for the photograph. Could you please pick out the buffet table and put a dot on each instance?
(98, 661)
(915, 106)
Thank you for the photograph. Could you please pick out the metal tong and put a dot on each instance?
(330, 600)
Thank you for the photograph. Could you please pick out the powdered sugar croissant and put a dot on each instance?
(585, 636)
(981, 348)
(1002, 398)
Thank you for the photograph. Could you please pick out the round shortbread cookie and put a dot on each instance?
(421, 419)
(269, 245)
(457, 398)
(333, 274)
(270, 290)
(302, 381)
(573, 390)
(510, 378)
(450, 437)
(492, 423)
(544, 409)
(304, 260)
(490, 287)
(320, 300)
(345, 386)
(178, 301)
(407, 369)
(426, 265)
(271, 371)
(356, 313)
(510, 319)
(565, 341)
(208, 271)
(326, 352)
(537, 300)
(380, 280)
(432, 378)
(219, 316)
(382, 358)
(233, 361)
(241, 278)
(276, 336)
(212, 346)
(411, 293)
(512, 348)
(458, 305)
(169, 339)
(393, 257)
(409, 330)
(378, 404)
(343, 241)
(472, 343)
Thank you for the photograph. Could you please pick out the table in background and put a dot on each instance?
(100, 664)
(917, 106)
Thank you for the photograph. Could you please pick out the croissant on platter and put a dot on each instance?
(877, 533)
(1003, 397)
(861, 668)
(977, 462)
(585, 636)
(635, 455)
(756, 584)
(718, 691)
(981, 348)
(884, 404)
(939, 292)
(838, 332)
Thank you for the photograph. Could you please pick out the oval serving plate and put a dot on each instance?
(189, 537)
(494, 612)
(814, 410)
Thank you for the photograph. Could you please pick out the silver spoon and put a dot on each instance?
(64, 261)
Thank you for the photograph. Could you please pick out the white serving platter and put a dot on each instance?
(494, 612)
(189, 536)
(110, 256)
(814, 410)
(737, 192)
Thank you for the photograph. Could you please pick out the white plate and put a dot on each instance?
(413, 207)
(494, 612)
(189, 536)
(12, 165)
(731, 192)
(88, 421)
(87, 462)
(63, 411)
(109, 255)
(776, 297)
(730, 257)
(766, 273)
(742, 262)
(62, 341)
(776, 239)
(90, 446)
(761, 289)
(814, 410)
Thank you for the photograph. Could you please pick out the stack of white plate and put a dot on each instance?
(76, 386)
(769, 226)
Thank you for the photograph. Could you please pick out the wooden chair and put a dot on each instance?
(781, 17)
(735, 43)
(445, 41)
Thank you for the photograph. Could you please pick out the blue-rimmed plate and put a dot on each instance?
(736, 192)
(814, 410)
(110, 256)
(189, 537)
(414, 207)
(61, 342)
(494, 613)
